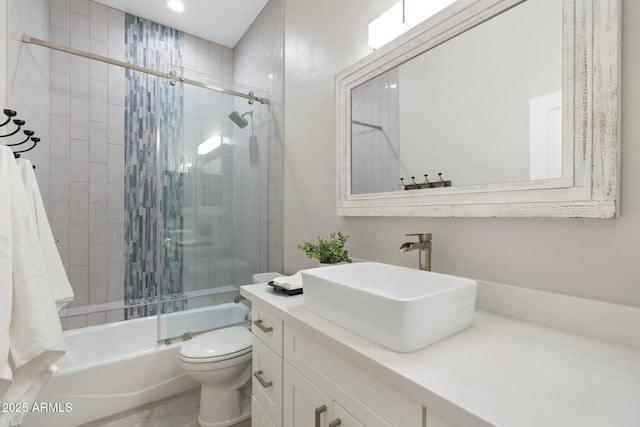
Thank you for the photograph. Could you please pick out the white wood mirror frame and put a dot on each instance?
(590, 131)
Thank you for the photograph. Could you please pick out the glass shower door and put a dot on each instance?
(212, 195)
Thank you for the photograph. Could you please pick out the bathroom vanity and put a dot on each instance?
(309, 371)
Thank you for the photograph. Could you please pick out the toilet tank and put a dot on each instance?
(265, 277)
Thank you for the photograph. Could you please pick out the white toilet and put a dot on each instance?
(221, 362)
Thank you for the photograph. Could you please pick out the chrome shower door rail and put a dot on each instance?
(172, 77)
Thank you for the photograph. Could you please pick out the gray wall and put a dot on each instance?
(591, 258)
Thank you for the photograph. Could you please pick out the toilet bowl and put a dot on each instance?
(221, 362)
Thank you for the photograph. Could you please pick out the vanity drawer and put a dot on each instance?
(267, 380)
(368, 399)
(268, 327)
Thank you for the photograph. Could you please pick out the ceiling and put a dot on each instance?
(220, 21)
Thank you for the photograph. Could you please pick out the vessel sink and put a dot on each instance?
(400, 308)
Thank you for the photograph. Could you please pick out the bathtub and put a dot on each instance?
(117, 366)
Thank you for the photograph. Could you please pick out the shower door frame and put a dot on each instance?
(174, 79)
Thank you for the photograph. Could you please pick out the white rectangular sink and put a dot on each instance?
(401, 308)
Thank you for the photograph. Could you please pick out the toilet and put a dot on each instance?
(221, 361)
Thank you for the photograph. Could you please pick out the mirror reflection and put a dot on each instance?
(481, 108)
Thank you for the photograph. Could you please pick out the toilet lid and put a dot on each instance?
(219, 343)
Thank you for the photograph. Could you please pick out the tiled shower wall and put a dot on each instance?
(80, 160)
(86, 204)
(87, 154)
(258, 62)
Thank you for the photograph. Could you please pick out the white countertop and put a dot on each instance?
(500, 371)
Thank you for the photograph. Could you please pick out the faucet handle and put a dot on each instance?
(423, 237)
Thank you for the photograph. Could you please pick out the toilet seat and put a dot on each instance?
(222, 344)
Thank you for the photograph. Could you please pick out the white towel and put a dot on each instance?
(30, 333)
(290, 283)
(62, 291)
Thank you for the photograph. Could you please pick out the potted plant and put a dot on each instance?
(327, 251)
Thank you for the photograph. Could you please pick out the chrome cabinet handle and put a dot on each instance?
(335, 423)
(263, 383)
(319, 411)
(263, 328)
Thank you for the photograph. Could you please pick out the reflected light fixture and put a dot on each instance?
(175, 5)
(401, 17)
(387, 26)
(416, 11)
(210, 144)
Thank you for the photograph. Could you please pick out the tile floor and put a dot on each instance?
(180, 410)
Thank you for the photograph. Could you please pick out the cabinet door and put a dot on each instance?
(259, 417)
(345, 418)
(304, 404)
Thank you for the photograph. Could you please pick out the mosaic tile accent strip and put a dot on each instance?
(151, 102)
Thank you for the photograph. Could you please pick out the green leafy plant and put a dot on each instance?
(328, 251)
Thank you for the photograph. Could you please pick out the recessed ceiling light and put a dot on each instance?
(175, 5)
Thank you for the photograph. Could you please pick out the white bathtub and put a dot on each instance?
(118, 366)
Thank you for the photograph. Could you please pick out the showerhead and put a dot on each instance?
(239, 119)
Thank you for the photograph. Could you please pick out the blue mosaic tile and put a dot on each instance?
(152, 107)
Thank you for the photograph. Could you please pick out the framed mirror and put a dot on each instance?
(488, 108)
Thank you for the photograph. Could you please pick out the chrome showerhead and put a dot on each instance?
(239, 119)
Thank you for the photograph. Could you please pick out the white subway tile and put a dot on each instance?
(98, 225)
(116, 80)
(79, 77)
(79, 247)
(79, 119)
(59, 14)
(80, 6)
(79, 203)
(79, 156)
(59, 135)
(98, 184)
(115, 243)
(59, 93)
(115, 164)
(59, 180)
(98, 101)
(98, 142)
(115, 121)
(79, 31)
(97, 273)
(98, 21)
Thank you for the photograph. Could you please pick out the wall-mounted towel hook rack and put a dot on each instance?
(18, 123)
(9, 114)
(35, 142)
(29, 134)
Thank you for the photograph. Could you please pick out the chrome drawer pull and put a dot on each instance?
(319, 411)
(335, 423)
(265, 384)
(263, 328)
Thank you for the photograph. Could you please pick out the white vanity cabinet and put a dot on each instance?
(298, 383)
(266, 366)
(322, 389)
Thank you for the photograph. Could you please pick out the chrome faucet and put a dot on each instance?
(423, 245)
